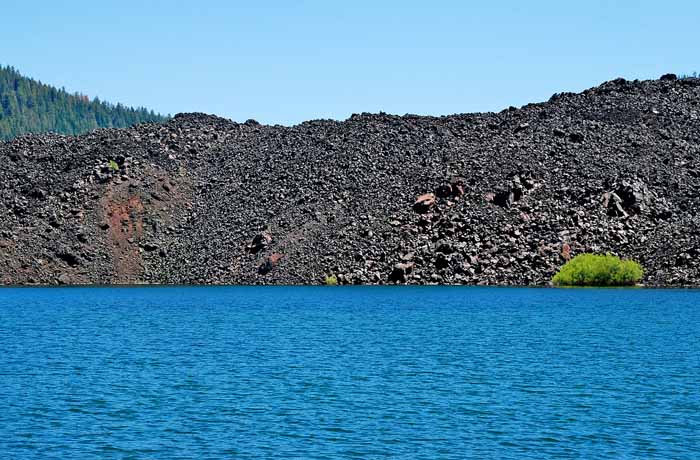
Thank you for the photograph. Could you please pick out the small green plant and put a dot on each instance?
(331, 280)
(598, 270)
(113, 165)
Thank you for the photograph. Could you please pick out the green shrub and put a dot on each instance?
(113, 165)
(331, 280)
(598, 270)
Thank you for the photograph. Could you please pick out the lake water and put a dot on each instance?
(362, 372)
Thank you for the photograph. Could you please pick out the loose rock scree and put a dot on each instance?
(499, 198)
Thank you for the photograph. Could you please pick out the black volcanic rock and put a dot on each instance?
(491, 198)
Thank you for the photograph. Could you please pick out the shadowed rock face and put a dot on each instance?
(476, 199)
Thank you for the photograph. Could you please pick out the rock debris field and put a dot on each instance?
(495, 198)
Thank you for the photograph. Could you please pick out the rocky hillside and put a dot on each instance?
(466, 199)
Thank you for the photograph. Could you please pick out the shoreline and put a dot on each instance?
(345, 286)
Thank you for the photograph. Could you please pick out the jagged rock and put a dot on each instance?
(613, 203)
(260, 242)
(458, 184)
(633, 195)
(628, 197)
(150, 246)
(37, 193)
(69, 258)
(398, 274)
(503, 197)
(669, 77)
(444, 191)
(269, 263)
(424, 203)
(521, 127)
(576, 137)
(444, 247)
(566, 252)
(441, 261)
(513, 192)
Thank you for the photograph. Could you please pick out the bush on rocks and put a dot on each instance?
(331, 280)
(598, 270)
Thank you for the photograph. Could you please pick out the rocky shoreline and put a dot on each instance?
(497, 199)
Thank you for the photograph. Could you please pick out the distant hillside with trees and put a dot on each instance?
(29, 106)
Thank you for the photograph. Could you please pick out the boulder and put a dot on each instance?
(458, 185)
(444, 247)
(627, 197)
(633, 194)
(669, 77)
(613, 203)
(424, 203)
(150, 246)
(260, 242)
(69, 258)
(398, 274)
(269, 263)
(441, 261)
(444, 191)
(511, 193)
(576, 137)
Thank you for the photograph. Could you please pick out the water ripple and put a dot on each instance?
(416, 373)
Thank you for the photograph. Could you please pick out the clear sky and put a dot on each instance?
(288, 61)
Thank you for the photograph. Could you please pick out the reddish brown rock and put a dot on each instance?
(270, 263)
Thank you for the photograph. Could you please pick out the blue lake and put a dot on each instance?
(362, 372)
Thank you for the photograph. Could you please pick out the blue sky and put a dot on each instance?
(289, 61)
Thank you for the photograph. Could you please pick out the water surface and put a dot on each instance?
(320, 373)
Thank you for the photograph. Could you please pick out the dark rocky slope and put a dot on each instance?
(505, 198)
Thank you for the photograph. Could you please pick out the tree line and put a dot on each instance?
(29, 106)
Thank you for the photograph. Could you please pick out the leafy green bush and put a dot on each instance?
(331, 280)
(113, 165)
(598, 270)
